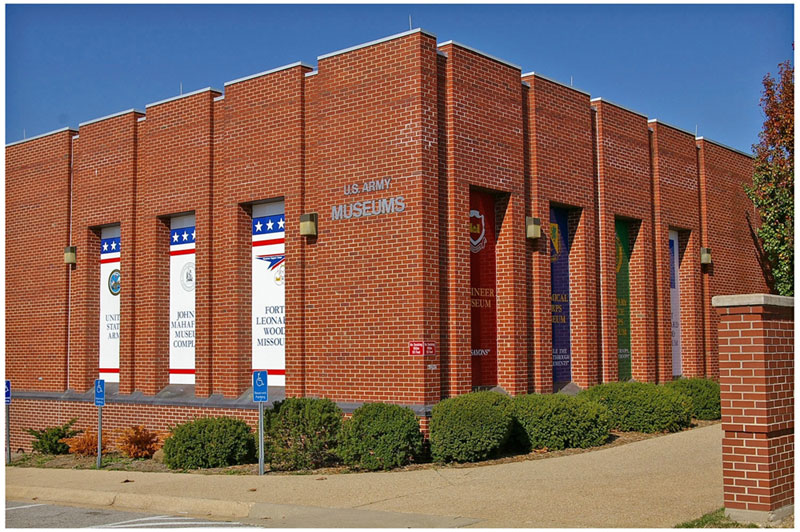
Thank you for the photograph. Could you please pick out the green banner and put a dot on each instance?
(623, 299)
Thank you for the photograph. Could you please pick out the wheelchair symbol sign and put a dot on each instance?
(8, 392)
(260, 393)
(99, 392)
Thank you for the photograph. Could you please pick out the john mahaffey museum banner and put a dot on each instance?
(182, 281)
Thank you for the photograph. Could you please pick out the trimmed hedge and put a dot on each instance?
(642, 407)
(48, 441)
(704, 394)
(302, 433)
(380, 436)
(470, 427)
(559, 422)
(210, 442)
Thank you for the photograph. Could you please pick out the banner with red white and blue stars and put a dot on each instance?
(182, 280)
(110, 288)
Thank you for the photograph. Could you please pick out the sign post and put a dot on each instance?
(8, 422)
(260, 396)
(99, 402)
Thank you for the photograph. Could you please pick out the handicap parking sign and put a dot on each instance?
(8, 392)
(99, 392)
(260, 393)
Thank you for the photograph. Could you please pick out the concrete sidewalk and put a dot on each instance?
(652, 483)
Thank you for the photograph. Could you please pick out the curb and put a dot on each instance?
(133, 501)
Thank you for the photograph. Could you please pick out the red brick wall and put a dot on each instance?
(756, 364)
(729, 222)
(37, 230)
(560, 155)
(625, 191)
(676, 202)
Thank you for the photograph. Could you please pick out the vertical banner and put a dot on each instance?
(269, 277)
(483, 272)
(182, 281)
(623, 246)
(109, 303)
(675, 303)
(559, 295)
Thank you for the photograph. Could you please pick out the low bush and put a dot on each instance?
(210, 442)
(138, 442)
(560, 421)
(704, 394)
(380, 436)
(85, 444)
(302, 433)
(470, 427)
(642, 407)
(48, 441)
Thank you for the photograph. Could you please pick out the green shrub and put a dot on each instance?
(704, 394)
(48, 441)
(210, 442)
(642, 407)
(380, 436)
(470, 427)
(302, 433)
(560, 421)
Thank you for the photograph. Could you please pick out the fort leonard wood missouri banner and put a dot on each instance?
(623, 256)
(483, 271)
(675, 303)
(182, 280)
(559, 294)
(110, 288)
(268, 297)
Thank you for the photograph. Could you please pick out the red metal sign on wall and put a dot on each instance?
(483, 296)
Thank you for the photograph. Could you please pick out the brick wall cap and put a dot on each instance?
(114, 115)
(721, 145)
(199, 91)
(551, 80)
(443, 54)
(609, 102)
(141, 119)
(314, 73)
(42, 135)
(747, 300)
(471, 49)
(662, 123)
(377, 41)
(219, 98)
(271, 71)
(526, 84)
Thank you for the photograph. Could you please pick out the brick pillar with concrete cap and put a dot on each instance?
(756, 360)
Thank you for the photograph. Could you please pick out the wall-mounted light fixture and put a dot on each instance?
(308, 224)
(533, 227)
(70, 255)
(705, 255)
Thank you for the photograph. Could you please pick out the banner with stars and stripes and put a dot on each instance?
(109, 303)
(182, 299)
(269, 260)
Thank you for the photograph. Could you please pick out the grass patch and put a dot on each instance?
(715, 519)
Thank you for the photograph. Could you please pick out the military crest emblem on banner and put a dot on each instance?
(114, 283)
(555, 242)
(477, 231)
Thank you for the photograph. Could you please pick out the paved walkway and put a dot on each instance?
(652, 483)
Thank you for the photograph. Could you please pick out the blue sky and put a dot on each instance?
(682, 64)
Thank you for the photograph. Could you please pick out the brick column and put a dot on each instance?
(756, 360)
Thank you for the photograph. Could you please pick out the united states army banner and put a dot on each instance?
(110, 288)
(269, 278)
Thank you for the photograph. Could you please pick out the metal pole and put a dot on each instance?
(260, 438)
(8, 434)
(99, 435)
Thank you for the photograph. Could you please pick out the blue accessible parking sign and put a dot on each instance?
(99, 392)
(8, 392)
(260, 393)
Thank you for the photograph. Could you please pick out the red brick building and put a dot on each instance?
(391, 144)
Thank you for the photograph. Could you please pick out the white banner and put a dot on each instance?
(675, 302)
(181, 300)
(269, 261)
(109, 304)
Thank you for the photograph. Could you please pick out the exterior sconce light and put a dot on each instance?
(533, 227)
(70, 254)
(705, 255)
(308, 224)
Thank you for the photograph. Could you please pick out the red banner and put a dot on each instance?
(483, 300)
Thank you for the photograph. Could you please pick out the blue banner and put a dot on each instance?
(559, 294)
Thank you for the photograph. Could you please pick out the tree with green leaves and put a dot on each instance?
(772, 192)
